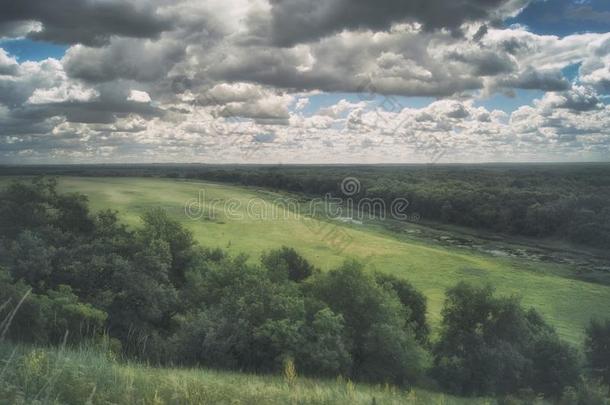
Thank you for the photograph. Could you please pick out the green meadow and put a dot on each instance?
(258, 220)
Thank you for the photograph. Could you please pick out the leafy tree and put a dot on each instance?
(72, 214)
(324, 351)
(555, 365)
(287, 263)
(29, 325)
(413, 300)
(67, 317)
(157, 225)
(250, 322)
(144, 299)
(586, 392)
(26, 206)
(491, 345)
(30, 260)
(382, 346)
(50, 317)
(597, 348)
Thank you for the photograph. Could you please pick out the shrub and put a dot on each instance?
(287, 263)
(491, 345)
(586, 392)
(382, 345)
(413, 300)
(51, 317)
(597, 349)
(324, 352)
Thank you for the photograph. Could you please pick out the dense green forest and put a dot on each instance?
(69, 276)
(561, 201)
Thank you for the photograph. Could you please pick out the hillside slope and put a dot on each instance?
(566, 303)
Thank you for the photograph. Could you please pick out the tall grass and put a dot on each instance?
(87, 375)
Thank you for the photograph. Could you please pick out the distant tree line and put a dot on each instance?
(564, 202)
(71, 276)
(567, 202)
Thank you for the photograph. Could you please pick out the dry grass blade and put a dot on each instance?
(7, 322)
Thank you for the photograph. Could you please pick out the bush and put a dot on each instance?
(597, 349)
(586, 392)
(252, 322)
(53, 317)
(381, 343)
(413, 300)
(287, 263)
(491, 345)
(324, 352)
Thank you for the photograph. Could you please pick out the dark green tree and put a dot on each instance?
(491, 345)
(413, 300)
(324, 352)
(157, 225)
(597, 348)
(382, 346)
(285, 263)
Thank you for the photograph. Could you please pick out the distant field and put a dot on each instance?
(567, 303)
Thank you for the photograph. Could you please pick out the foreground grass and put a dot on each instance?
(568, 304)
(86, 376)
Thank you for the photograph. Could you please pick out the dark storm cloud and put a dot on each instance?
(32, 118)
(90, 22)
(100, 112)
(515, 45)
(123, 58)
(16, 125)
(480, 33)
(295, 21)
(532, 79)
(19, 116)
(350, 63)
(485, 63)
(14, 29)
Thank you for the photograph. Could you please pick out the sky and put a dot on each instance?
(304, 81)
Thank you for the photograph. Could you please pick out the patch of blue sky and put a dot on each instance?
(571, 72)
(565, 17)
(499, 101)
(29, 50)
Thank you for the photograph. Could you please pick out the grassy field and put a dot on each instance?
(565, 302)
(87, 376)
